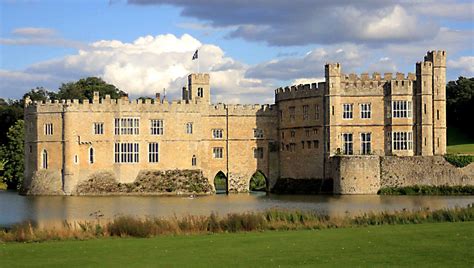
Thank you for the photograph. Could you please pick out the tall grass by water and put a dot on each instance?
(127, 226)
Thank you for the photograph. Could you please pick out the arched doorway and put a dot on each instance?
(258, 182)
(220, 183)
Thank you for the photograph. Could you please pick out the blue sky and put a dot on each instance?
(249, 49)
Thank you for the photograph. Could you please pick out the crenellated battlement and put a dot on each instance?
(437, 57)
(424, 68)
(376, 77)
(299, 91)
(242, 109)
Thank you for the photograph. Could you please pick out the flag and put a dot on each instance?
(195, 56)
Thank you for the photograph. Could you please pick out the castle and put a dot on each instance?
(327, 130)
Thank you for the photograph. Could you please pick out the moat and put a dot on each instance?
(46, 210)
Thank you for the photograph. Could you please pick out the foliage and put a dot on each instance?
(12, 153)
(10, 112)
(40, 94)
(127, 226)
(85, 87)
(460, 103)
(258, 182)
(459, 160)
(428, 190)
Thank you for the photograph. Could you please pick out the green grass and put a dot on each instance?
(427, 245)
(459, 142)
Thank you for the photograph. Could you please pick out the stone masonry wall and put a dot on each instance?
(422, 170)
(355, 174)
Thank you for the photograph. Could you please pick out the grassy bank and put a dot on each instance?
(426, 245)
(459, 142)
(428, 190)
(125, 226)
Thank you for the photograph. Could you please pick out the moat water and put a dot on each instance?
(46, 210)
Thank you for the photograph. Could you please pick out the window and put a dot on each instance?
(401, 109)
(200, 92)
(307, 132)
(76, 159)
(156, 127)
(282, 135)
(281, 116)
(48, 129)
(44, 159)
(316, 144)
(292, 147)
(316, 111)
(91, 155)
(258, 153)
(365, 110)
(302, 145)
(189, 128)
(98, 128)
(126, 152)
(292, 110)
(437, 114)
(127, 126)
(153, 152)
(292, 133)
(402, 141)
(193, 161)
(217, 152)
(258, 133)
(217, 133)
(348, 144)
(309, 144)
(365, 143)
(347, 110)
(305, 112)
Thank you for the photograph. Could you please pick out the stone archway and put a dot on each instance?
(220, 183)
(258, 182)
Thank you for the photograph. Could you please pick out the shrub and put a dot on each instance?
(459, 160)
(428, 190)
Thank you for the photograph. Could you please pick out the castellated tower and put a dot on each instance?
(431, 102)
(332, 92)
(198, 88)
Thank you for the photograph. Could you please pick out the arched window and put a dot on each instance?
(45, 159)
(193, 161)
(189, 128)
(91, 155)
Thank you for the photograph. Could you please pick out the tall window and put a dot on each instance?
(200, 92)
(127, 126)
(217, 152)
(44, 158)
(153, 152)
(401, 109)
(193, 161)
(156, 127)
(292, 133)
(316, 111)
(347, 110)
(99, 128)
(348, 143)
(365, 143)
(307, 132)
(48, 129)
(292, 111)
(217, 133)
(402, 141)
(258, 152)
(189, 128)
(126, 152)
(365, 110)
(305, 112)
(258, 133)
(91, 155)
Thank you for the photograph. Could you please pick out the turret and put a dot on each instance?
(198, 88)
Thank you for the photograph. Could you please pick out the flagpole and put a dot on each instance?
(198, 63)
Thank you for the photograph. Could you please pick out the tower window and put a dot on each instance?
(347, 109)
(437, 114)
(91, 155)
(45, 159)
(193, 161)
(217, 133)
(189, 128)
(48, 129)
(200, 92)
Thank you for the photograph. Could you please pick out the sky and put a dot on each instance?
(249, 47)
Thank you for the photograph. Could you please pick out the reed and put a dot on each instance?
(274, 219)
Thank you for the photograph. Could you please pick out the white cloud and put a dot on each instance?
(148, 65)
(34, 31)
(33, 36)
(464, 64)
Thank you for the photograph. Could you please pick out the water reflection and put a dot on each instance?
(48, 209)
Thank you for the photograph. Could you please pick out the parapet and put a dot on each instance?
(199, 78)
(300, 91)
(424, 68)
(437, 57)
(332, 69)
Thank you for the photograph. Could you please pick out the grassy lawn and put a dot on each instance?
(428, 245)
(459, 142)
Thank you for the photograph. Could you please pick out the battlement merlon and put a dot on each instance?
(199, 78)
(424, 68)
(437, 57)
(332, 69)
(299, 91)
(376, 77)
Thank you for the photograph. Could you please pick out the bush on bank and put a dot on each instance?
(459, 160)
(428, 190)
(126, 226)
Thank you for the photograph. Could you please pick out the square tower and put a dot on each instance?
(198, 88)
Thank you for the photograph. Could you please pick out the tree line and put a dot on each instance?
(459, 108)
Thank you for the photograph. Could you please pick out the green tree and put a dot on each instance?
(40, 94)
(13, 154)
(85, 87)
(10, 112)
(460, 104)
